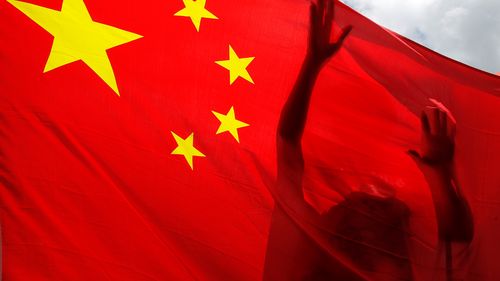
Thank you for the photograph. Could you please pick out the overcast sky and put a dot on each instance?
(465, 30)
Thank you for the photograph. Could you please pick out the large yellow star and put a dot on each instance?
(196, 11)
(229, 123)
(77, 37)
(186, 148)
(237, 66)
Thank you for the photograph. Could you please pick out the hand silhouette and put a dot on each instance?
(438, 137)
(454, 216)
(320, 48)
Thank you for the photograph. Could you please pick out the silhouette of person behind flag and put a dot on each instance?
(365, 234)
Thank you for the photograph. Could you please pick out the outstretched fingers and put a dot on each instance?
(334, 47)
(432, 120)
(435, 124)
(313, 17)
(345, 31)
(436, 121)
(443, 123)
(329, 18)
(424, 121)
(321, 11)
(415, 155)
(452, 127)
(321, 21)
(450, 120)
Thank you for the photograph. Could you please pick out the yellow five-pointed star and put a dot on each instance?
(229, 123)
(237, 66)
(196, 11)
(186, 148)
(77, 37)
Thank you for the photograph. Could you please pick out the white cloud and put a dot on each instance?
(465, 30)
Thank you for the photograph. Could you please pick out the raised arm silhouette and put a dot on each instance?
(291, 254)
(435, 160)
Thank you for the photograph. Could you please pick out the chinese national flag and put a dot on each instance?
(138, 138)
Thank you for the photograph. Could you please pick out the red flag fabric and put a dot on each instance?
(138, 140)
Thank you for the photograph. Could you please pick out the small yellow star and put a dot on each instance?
(78, 37)
(229, 123)
(185, 147)
(196, 11)
(237, 66)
